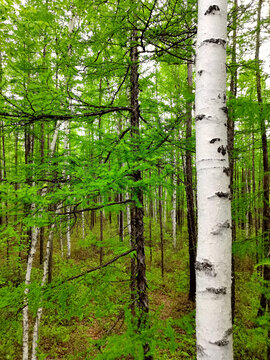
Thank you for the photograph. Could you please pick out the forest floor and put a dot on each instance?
(89, 319)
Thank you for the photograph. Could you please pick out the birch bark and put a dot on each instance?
(44, 279)
(34, 240)
(174, 200)
(213, 265)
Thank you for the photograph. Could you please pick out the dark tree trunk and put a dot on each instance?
(264, 303)
(189, 195)
(50, 262)
(230, 134)
(137, 212)
(121, 220)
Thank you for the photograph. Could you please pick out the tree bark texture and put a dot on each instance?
(213, 264)
(137, 212)
(161, 229)
(192, 236)
(230, 129)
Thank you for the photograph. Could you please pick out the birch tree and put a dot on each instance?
(213, 264)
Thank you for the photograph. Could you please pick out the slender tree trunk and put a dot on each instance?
(255, 218)
(174, 205)
(5, 177)
(161, 229)
(121, 221)
(67, 151)
(41, 235)
(83, 226)
(230, 134)
(30, 258)
(213, 265)
(101, 237)
(137, 213)
(164, 207)
(264, 303)
(128, 215)
(61, 239)
(189, 195)
(46, 274)
(150, 228)
(1, 169)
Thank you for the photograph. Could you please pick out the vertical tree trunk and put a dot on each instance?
(174, 204)
(101, 237)
(161, 228)
(164, 207)
(1, 172)
(189, 195)
(67, 150)
(264, 303)
(137, 213)
(128, 215)
(83, 226)
(5, 177)
(121, 220)
(150, 227)
(41, 235)
(213, 265)
(230, 134)
(46, 273)
(30, 259)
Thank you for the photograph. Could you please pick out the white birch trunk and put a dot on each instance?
(44, 279)
(61, 240)
(66, 148)
(213, 265)
(247, 206)
(165, 207)
(71, 26)
(34, 240)
(155, 204)
(174, 200)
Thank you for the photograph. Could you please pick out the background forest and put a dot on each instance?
(98, 181)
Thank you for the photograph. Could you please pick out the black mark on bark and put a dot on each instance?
(212, 9)
(200, 350)
(226, 171)
(228, 332)
(222, 194)
(214, 140)
(206, 267)
(200, 72)
(200, 117)
(223, 97)
(224, 341)
(222, 150)
(215, 41)
(217, 291)
(220, 227)
(225, 109)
